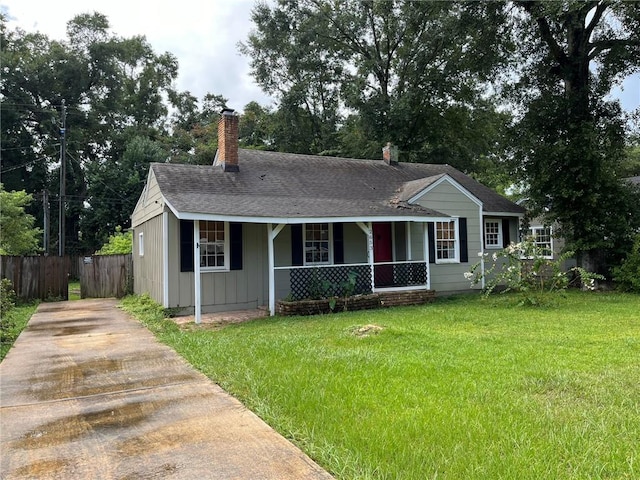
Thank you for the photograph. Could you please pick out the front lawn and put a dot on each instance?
(467, 388)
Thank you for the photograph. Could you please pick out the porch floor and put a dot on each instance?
(220, 319)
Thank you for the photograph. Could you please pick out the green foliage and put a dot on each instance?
(569, 142)
(120, 243)
(149, 312)
(113, 88)
(413, 73)
(523, 268)
(13, 316)
(7, 296)
(464, 388)
(627, 275)
(17, 233)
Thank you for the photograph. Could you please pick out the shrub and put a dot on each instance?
(7, 297)
(120, 243)
(522, 267)
(627, 275)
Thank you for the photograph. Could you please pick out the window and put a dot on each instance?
(493, 233)
(446, 248)
(542, 240)
(213, 245)
(317, 238)
(141, 244)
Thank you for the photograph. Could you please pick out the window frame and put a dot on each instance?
(456, 242)
(329, 242)
(532, 232)
(141, 244)
(225, 244)
(499, 233)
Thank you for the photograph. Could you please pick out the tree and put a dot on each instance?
(116, 186)
(114, 91)
(412, 73)
(120, 243)
(17, 233)
(569, 141)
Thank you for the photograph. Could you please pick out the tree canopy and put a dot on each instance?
(18, 236)
(353, 75)
(569, 142)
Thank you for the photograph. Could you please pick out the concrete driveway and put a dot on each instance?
(87, 392)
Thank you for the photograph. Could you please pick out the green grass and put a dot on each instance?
(13, 322)
(74, 290)
(467, 388)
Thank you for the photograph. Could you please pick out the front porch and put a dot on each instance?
(314, 261)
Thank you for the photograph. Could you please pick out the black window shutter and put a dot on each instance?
(431, 234)
(338, 243)
(296, 245)
(186, 246)
(506, 240)
(235, 244)
(464, 250)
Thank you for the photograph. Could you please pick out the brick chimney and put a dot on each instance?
(390, 154)
(227, 155)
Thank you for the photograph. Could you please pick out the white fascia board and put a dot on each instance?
(300, 220)
(446, 178)
(171, 207)
(503, 214)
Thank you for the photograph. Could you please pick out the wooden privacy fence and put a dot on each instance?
(103, 276)
(37, 277)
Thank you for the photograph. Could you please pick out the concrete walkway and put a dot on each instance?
(88, 393)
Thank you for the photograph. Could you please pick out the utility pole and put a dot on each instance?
(45, 206)
(63, 174)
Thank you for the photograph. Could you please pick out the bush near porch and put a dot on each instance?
(466, 387)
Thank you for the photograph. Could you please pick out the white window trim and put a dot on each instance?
(304, 242)
(456, 246)
(500, 234)
(141, 244)
(226, 266)
(532, 230)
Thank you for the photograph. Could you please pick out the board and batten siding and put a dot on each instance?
(446, 198)
(147, 268)
(223, 290)
(150, 204)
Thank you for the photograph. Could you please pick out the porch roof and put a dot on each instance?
(274, 184)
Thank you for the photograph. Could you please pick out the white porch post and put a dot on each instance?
(482, 284)
(425, 235)
(196, 271)
(408, 233)
(368, 230)
(271, 236)
(165, 259)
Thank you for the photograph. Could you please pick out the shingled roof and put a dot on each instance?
(285, 185)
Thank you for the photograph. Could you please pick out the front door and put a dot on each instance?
(382, 252)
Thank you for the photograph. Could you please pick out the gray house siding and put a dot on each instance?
(224, 290)
(446, 198)
(147, 268)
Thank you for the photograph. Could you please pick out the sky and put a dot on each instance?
(202, 34)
